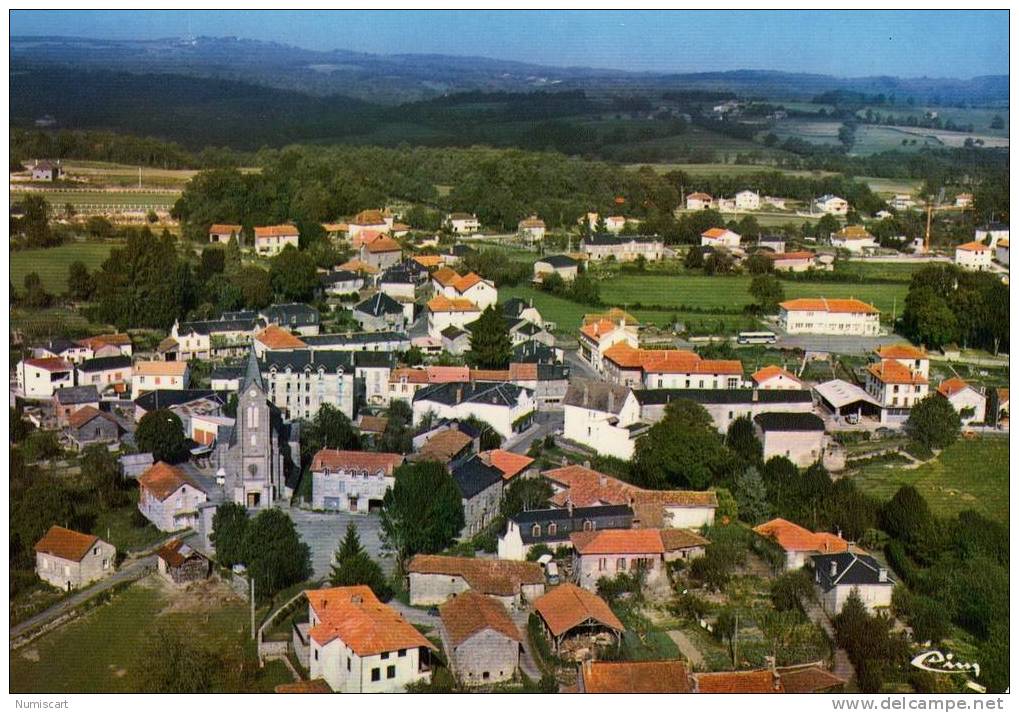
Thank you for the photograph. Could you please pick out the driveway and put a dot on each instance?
(545, 422)
(323, 532)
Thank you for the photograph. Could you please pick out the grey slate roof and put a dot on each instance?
(603, 517)
(457, 392)
(77, 395)
(559, 261)
(211, 326)
(452, 333)
(474, 476)
(597, 395)
(104, 363)
(166, 398)
(851, 569)
(651, 397)
(378, 305)
(534, 352)
(340, 276)
(227, 372)
(514, 307)
(252, 374)
(361, 338)
(789, 421)
(609, 239)
(293, 314)
(300, 359)
(58, 345)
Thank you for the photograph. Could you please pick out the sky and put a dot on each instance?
(958, 44)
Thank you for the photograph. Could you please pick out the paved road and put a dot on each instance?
(579, 367)
(528, 663)
(687, 648)
(836, 344)
(414, 615)
(130, 571)
(323, 532)
(841, 666)
(545, 423)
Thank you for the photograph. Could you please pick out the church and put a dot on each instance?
(262, 450)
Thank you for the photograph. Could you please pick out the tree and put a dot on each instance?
(927, 317)
(175, 662)
(161, 433)
(101, 473)
(489, 438)
(759, 264)
(35, 225)
(934, 422)
(491, 347)
(229, 531)
(255, 285)
(353, 566)
(751, 496)
(329, 429)
(79, 281)
(683, 450)
(694, 259)
(275, 555)
(768, 292)
(423, 512)
(741, 439)
(525, 494)
(997, 122)
(35, 294)
(293, 275)
(213, 262)
(827, 225)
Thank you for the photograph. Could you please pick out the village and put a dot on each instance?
(446, 489)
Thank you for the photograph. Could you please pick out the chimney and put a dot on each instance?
(356, 599)
(882, 575)
(612, 400)
(587, 464)
(569, 505)
(756, 397)
(459, 393)
(834, 568)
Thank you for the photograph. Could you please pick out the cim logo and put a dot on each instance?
(943, 663)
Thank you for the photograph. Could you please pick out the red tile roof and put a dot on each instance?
(519, 371)
(446, 276)
(793, 538)
(598, 329)
(715, 232)
(488, 576)
(268, 231)
(224, 229)
(65, 544)
(568, 606)
(334, 460)
(49, 364)
(901, 351)
(85, 414)
(699, 196)
(466, 282)
(822, 304)
(635, 677)
(175, 553)
(383, 245)
(467, 614)
(950, 387)
(444, 445)
(808, 679)
(369, 217)
(738, 682)
(428, 260)
(101, 340)
(356, 617)
(617, 542)
(511, 464)
(973, 247)
(275, 337)
(669, 361)
(585, 487)
(163, 479)
(889, 371)
(441, 303)
(770, 372)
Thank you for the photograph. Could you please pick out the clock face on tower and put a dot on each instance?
(251, 393)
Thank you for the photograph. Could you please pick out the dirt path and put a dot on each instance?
(687, 648)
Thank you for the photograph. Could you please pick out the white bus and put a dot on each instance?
(756, 338)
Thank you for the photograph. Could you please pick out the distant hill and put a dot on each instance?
(391, 79)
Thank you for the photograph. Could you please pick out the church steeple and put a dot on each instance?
(252, 375)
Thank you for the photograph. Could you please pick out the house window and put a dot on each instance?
(385, 655)
(348, 660)
(602, 564)
(316, 654)
(588, 525)
(536, 531)
(402, 652)
(376, 674)
(485, 675)
(621, 564)
(552, 529)
(390, 671)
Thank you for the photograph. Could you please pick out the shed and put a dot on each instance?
(181, 564)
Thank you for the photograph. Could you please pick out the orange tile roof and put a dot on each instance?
(276, 337)
(677, 538)
(65, 544)
(444, 445)
(102, 340)
(821, 304)
(973, 247)
(268, 231)
(490, 375)
(366, 237)
(532, 222)
(901, 351)
(699, 196)
(356, 265)
(584, 487)
(889, 371)
(635, 677)
(441, 303)
(793, 538)
(428, 260)
(223, 229)
(617, 542)
(568, 606)
(496, 577)
(467, 614)
(714, 232)
(85, 414)
(162, 480)
(613, 315)
(669, 361)
(49, 364)
(950, 387)
(355, 616)
(316, 685)
(596, 330)
(770, 372)
(334, 460)
(409, 375)
(373, 424)
(466, 282)
(383, 245)
(444, 374)
(738, 682)
(335, 227)
(369, 217)
(520, 371)
(160, 368)
(854, 232)
(511, 464)
(808, 679)
(446, 276)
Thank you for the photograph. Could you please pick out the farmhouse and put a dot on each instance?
(973, 256)
(796, 436)
(68, 559)
(853, 238)
(354, 481)
(970, 403)
(480, 486)
(799, 543)
(46, 170)
(463, 223)
(623, 248)
(898, 380)
(720, 238)
(533, 228)
(552, 527)
(381, 253)
(169, 498)
(360, 645)
(433, 579)
(836, 576)
(832, 205)
(699, 201)
(271, 239)
(223, 232)
(824, 316)
(668, 369)
(563, 265)
(480, 638)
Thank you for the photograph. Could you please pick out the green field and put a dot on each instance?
(115, 199)
(816, 132)
(52, 263)
(891, 186)
(967, 475)
(102, 651)
(902, 271)
(726, 169)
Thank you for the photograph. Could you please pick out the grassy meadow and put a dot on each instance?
(52, 264)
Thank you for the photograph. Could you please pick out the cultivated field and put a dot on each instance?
(954, 481)
(726, 169)
(118, 199)
(816, 132)
(52, 264)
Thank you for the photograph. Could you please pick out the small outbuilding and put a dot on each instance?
(181, 564)
(480, 638)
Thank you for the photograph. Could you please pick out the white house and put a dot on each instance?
(41, 378)
(222, 232)
(357, 644)
(507, 408)
(603, 417)
(748, 200)
(898, 380)
(837, 576)
(669, 369)
(796, 436)
(853, 238)
(169, 498)
(463, 223)
(699, 201)
(475, 288)
(601, 333)
(973, 256)
(444, 312)
(67, 559)
(353, 481)
(533, 228)
(720, 238)
(799, 543)
(563, 265)
(164, 375)
(271, 239)
(607, 553)
(818, 315)
(991, 233)
(970, 403)
(775, 377)
(799, 261)
(833, 205)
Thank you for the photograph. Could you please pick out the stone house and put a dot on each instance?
(381, 312)
(607, 553)
(480, 639)
(169, 498)
(181, 564)
(432, 579)
(480, 486)
(837, 576)
(67, 559)
(67, 401)
(89, 425)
